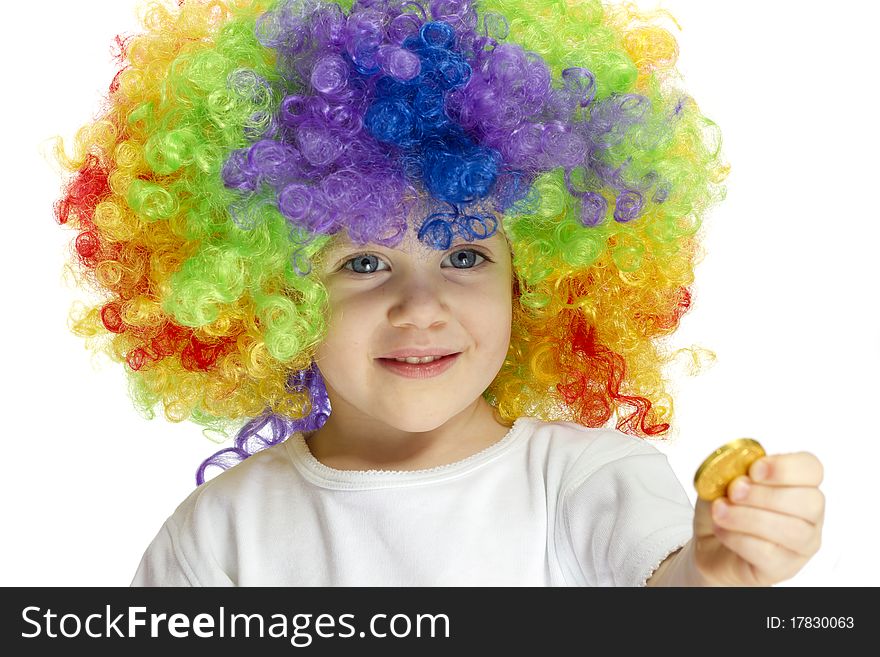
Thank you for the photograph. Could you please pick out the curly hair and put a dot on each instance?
(239, 136)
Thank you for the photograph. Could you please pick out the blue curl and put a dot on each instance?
(393, 121)
(436, 231)
(411, 115)
(439, 228)
(466, 224)
(437, 34)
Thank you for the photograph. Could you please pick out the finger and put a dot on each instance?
(807, 503)
(766, 562)
(796, 469)
(792, 533)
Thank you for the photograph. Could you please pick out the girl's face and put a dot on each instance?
(383, 300)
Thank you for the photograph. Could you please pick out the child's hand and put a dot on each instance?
(770, 532)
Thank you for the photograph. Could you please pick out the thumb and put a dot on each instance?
(703, 519)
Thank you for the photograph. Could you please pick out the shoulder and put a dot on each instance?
(573, 435)
(576, 451)
(244, 486)
(200, 540)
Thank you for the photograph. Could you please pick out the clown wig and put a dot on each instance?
(240, 135)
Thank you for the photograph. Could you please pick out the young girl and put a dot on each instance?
(416, 254)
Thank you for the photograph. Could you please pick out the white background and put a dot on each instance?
(786, 295)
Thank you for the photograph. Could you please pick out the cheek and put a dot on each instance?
(352, 323)
(489, 319)
(342, 336)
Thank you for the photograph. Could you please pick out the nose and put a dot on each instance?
(418, 302)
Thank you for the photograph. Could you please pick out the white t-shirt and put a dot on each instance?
(550, 504)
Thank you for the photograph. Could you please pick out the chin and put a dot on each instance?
(415, 421)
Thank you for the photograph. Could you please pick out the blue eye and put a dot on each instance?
(368, 263)
(365, 260)
(466, 257)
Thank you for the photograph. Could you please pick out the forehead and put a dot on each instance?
(410, 243)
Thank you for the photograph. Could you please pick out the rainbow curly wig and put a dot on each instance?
(239, 136)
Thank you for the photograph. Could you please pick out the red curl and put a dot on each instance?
(87, 244)
(199, 356)
(89, 188)
(597, 381)
(169, 339)
(136, 358)
(112, 318)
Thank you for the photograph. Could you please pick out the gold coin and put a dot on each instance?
(724, 465)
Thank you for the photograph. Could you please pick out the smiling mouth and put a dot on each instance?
(416, 360)
(419, 370)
